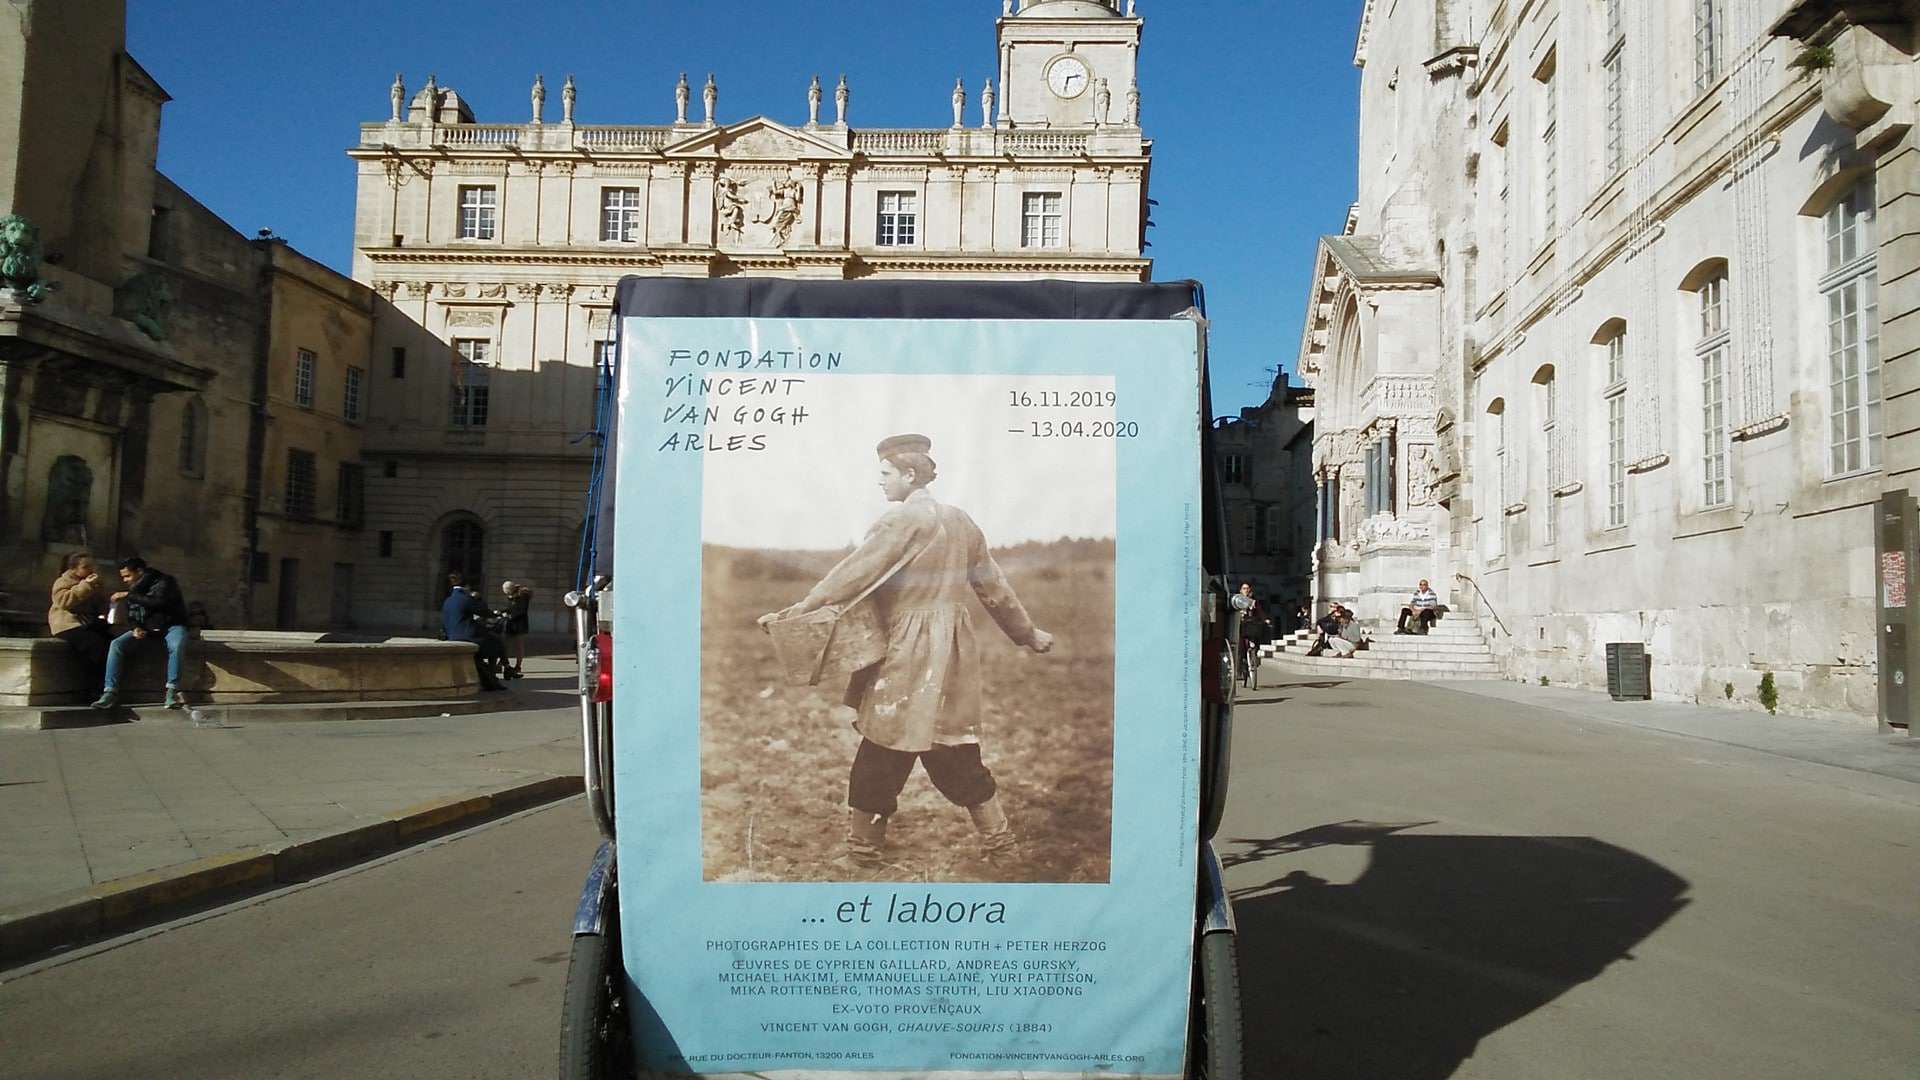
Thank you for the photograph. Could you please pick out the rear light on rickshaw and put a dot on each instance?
(600, 669)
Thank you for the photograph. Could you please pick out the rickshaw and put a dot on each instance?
(683, 965)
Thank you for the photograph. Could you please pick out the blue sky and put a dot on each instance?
(1251, 106)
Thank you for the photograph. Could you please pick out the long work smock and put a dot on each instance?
(928, 689)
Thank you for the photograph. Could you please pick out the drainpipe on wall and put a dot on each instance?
(257, 422)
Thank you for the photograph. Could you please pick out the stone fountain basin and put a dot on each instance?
(240, 667)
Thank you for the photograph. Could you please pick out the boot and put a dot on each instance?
(997, 841)
(866, 839)
(108, 699)
(175, 699)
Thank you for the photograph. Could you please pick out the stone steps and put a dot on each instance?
(1453, 649)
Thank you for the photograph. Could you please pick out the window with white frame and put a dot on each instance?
(899, 224)
(303, 365)
(1614, 401)
(1851, 287)
(604, 354)
(350, 397)
(467, 398)
(1708, 43)
(479, 209)
(1233, 469)
(1041, 220)
(620, 214)
(1712, 351)
(1614, 90)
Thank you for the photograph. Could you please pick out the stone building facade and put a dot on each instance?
(1264, 457)
(313, 487)
(139, 336)
(124, 369)
(500, 245)
(1604, 360)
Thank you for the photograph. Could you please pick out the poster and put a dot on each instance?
(962, 840)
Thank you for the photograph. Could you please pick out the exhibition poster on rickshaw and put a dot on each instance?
(906, 621)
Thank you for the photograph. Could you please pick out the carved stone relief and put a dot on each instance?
(497, 291)
(1422, 473)
(470, 317)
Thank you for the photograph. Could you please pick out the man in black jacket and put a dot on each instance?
(155, 609)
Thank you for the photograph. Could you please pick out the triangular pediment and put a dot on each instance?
(758, 139)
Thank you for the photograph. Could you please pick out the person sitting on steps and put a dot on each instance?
(1424, 610)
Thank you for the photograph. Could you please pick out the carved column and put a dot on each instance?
(700, 204)
(835, 193)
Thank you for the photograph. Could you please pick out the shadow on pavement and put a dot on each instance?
(1441, 942)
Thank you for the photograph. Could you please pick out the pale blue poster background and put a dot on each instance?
(1130, 938)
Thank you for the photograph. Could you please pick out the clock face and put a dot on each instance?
(1068, 77)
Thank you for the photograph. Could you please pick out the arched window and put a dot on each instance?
(193, 438)
(1851, 286)
(1547, 406)
(463, 551)
(1712, 347)
(1613, 338)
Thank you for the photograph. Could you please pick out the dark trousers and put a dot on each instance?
(1426, 617)
(490, 653)
(879, 773)
(90, 642)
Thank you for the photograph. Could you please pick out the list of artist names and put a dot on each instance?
(939, 984)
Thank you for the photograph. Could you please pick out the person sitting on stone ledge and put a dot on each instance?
(1424, 610)
(78, 616)
(155, 609)
(461, 619)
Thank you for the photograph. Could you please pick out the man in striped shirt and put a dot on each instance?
(1423, 611)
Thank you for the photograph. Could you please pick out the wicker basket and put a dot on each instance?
(828, 642)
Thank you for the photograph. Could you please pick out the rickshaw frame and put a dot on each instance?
(593, 1027)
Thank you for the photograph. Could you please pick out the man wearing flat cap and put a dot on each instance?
(923, 701)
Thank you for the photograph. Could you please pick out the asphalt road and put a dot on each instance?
(1431, 884)
(444, 961)
(1428, 885)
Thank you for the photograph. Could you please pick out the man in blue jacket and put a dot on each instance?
(460, 620)
(155, 609)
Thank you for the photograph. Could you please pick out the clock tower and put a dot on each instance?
(1068, 63)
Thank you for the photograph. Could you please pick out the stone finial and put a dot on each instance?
(1133, 104)
(1102, 102)
(1006, 7)
(432, 91)
(682, 94)
(840, 96)
(710, 97)
(959, 103)
(1131, 9)
(986, 105)
(813, 103)
(397, 96)
(539, 99)
(567, 96)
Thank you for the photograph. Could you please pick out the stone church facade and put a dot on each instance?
(1604, 361)
(499, 246)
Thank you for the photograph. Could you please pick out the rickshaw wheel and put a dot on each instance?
(1215, 1050)
(593, 1023)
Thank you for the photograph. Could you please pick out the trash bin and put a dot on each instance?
(1627, 676)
